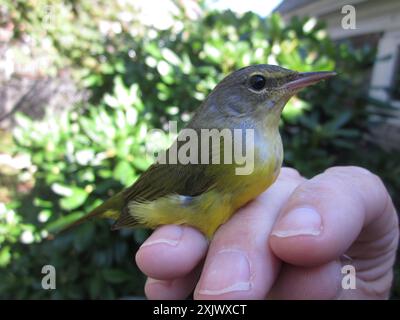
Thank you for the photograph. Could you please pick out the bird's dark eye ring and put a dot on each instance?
(257, 82)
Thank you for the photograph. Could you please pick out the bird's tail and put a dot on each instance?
(110, 208)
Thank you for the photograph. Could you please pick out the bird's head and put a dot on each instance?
(261, 90)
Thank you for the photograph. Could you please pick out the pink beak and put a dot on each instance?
(305, 79)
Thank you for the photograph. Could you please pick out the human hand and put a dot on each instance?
(289, 243)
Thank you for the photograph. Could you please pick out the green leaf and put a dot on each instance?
(5, 256)
(121, 91)
(63, 221)
(75, 200)
(111, 100)
(170, 56)
(61, 189)
(124, 172)
(91, 81)
(141, 164)
(22, 120)
(42, 203)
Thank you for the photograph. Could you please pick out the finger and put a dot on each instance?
(239, 264)
(305, 283)
(174, 289)
(171, 252)
(326, 214)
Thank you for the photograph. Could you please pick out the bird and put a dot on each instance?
(204, 194)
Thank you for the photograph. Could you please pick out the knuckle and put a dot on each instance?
(311, 192)
(353, 172)
(359, 180)
(290, 173)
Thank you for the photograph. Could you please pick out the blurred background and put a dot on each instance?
(83, 82)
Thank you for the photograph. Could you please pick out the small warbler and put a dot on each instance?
(205, 194)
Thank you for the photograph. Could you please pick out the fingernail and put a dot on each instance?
(299, 222)
(171, 236)
(164, 283)
(229, 271)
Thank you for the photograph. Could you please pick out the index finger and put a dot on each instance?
(239, 263)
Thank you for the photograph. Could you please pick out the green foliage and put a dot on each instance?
(79, 160)
(139, 80)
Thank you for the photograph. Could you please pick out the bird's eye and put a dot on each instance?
(257, 82)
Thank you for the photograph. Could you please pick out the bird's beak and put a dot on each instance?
(305, 79)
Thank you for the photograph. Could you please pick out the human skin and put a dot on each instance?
(289, 243)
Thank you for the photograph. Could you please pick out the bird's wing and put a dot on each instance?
(176, 178)
(161, 180)
(164, 179)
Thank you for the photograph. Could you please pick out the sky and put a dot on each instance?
(159, 19)
(261, 7)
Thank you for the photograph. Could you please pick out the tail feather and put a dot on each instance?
(125, 220)
(111, 209)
